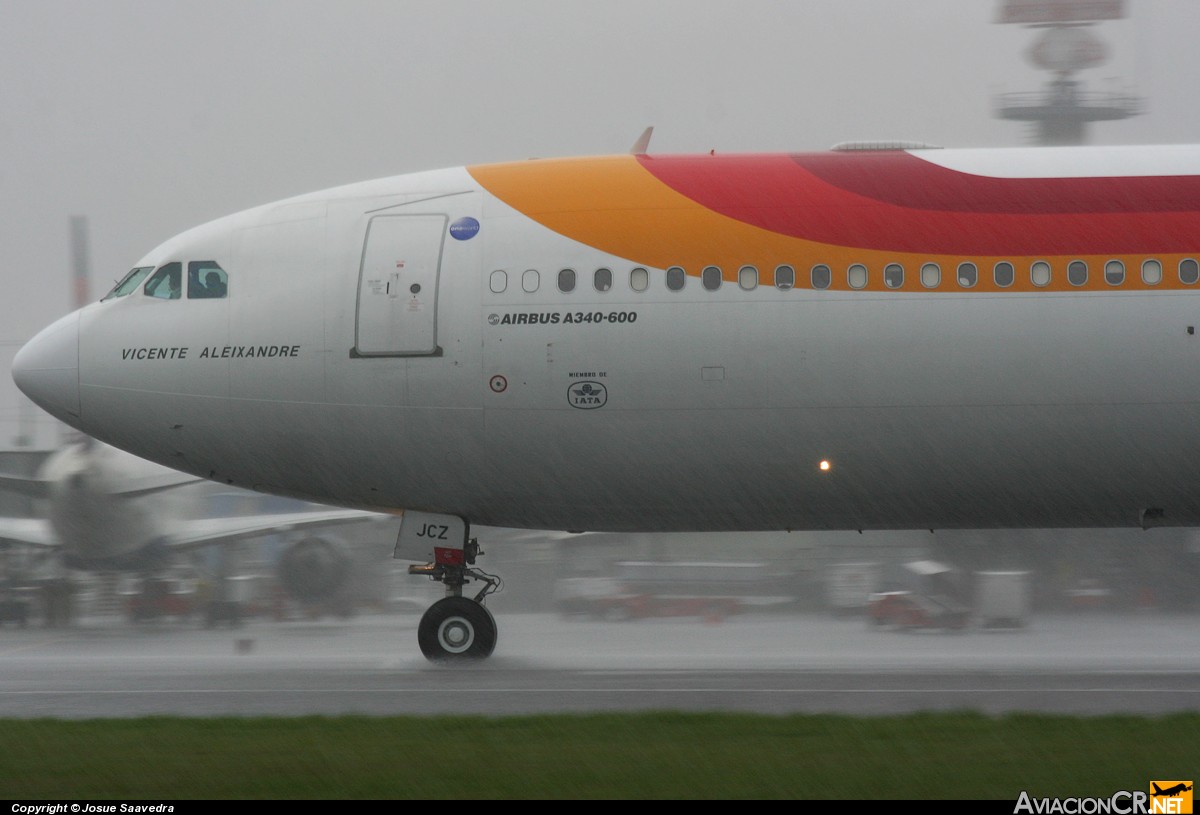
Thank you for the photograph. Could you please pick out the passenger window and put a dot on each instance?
(968, 275)
(498, 281)
(602, 279)
(1077, 273)
(206, 280)
(166, 283)
(931, 275)
(531, 280)
(1151, 272)
(566, 280)
(676, 277)
(129, 282)
(710, 277)
(1004, 274)
(1114, 273)
(785, 277)
(639, 279)
(856, 276)
(893, 275)
(748, 278)
(1039, 273)
(822, 276)
(1189, 272)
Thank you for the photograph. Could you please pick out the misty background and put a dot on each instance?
(148, 118)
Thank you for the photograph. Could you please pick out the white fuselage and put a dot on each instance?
(325, 376)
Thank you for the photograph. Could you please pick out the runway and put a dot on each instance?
(777, 664)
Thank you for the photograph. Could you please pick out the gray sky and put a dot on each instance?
(151, 117)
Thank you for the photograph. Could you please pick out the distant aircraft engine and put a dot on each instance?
(314, 569)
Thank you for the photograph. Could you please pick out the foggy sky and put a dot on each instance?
(152, 117)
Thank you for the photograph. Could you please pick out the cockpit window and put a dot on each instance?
(166, 282)
(206, 279)
(129, 282)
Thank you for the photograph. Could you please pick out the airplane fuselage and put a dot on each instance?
(851, 341)
(99, 525)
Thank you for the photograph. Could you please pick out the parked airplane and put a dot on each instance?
(871, 337)
(110, 511)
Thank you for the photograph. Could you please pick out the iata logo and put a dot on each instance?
(587, 395)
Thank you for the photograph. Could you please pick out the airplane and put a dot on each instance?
(1169, 791)
(109, 511)
(878, 336)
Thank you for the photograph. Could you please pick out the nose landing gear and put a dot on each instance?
(455, 628)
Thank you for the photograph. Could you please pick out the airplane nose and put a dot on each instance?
(46, 369)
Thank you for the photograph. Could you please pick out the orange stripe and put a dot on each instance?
(614, 205)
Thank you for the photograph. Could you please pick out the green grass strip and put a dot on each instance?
(667, 755)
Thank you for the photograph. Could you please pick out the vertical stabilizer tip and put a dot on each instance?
(643, 142)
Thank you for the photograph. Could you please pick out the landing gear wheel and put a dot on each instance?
(456, 629)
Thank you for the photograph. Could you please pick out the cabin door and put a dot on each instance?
(398, 286)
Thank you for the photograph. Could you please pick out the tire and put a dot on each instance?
(456, 629)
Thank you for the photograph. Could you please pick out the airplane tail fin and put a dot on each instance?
(1157, 789)
(643, 143)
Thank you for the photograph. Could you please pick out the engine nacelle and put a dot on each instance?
(314, 569)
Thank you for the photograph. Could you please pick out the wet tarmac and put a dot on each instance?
(1086, 664)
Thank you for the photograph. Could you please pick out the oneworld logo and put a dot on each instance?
(587, 395)
(464, 229)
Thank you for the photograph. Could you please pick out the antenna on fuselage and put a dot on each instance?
(643, 143)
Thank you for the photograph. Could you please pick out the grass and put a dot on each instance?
(667, 755)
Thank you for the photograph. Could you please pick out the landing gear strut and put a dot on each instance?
(457, 628)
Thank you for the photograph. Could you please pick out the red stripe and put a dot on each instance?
(905, 180)
(899, 202)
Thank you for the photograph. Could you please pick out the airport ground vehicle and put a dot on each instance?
(154, 598)
(940, 596)
(909, 610)
(225, 601)
(933, 599)
(14, 608)
(626, 606)
(849, 586)
(1003, 599)
(641, 589)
